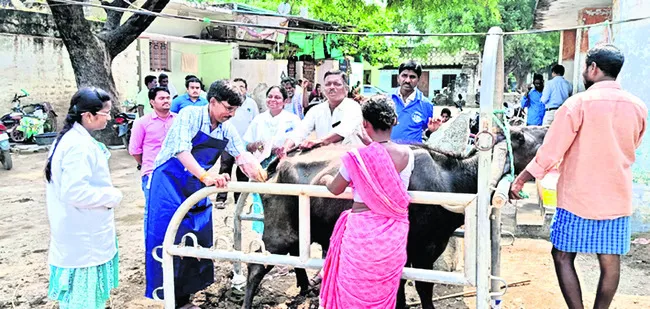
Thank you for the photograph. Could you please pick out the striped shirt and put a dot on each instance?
(187, 124)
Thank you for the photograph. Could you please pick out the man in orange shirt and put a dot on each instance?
(595, 134)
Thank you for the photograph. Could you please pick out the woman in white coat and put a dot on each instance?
(83, 254)
(267, 132)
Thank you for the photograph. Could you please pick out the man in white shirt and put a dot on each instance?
(241, 120)
(336, 120)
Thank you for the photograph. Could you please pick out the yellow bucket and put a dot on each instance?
(549, 197)
(547, 189)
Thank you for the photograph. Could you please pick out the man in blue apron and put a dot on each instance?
(193, 144)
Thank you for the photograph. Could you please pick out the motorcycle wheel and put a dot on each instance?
(17, 136)
(50, 123)
(125, 141)
(5, 157)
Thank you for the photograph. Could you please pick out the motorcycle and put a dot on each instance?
(123, 125)
(5, 154)
(24, 122)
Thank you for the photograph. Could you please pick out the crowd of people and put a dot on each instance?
(180, 138)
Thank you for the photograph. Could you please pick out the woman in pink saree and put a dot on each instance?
(367, 250)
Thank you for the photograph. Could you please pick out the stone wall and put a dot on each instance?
(32, 58)
(41, 66)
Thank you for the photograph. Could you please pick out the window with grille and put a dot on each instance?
(159, 56)
(394, 83)
(448, 79)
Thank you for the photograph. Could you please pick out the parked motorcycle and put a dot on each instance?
(123, 125)
(5, 154)
(24, 122)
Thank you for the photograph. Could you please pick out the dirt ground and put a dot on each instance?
(24, 236)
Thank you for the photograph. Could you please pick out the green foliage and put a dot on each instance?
(362, 18)
(454, 16)
(525, 53)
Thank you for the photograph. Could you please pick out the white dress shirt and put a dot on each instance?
(268, 128)
(346, 119)
(244, 115)
(80, 200)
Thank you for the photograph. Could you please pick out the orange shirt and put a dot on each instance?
(595, 134)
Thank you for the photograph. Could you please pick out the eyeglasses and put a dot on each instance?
(103, 114)
(230, 109)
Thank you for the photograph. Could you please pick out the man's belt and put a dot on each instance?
(551, 108)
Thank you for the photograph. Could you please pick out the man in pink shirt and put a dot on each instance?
(595, 135)
(149, 132)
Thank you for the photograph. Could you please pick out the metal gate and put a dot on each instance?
(481, 235)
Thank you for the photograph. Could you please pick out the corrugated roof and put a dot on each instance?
(563, 13)
(239, 8)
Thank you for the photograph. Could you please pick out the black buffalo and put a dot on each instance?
(430, 226)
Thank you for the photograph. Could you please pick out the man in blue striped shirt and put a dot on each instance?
(556, 91)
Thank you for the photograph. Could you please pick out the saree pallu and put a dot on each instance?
(367, 250)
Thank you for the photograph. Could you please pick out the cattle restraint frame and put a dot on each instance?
(482, 221)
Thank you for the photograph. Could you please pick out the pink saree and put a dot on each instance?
(368, 249)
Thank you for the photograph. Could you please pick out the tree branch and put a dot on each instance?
(72, 25)
(113, 18)
(121, 37)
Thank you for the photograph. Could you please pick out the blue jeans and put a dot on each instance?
(145, 180)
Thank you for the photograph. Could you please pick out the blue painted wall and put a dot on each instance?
(633, 39)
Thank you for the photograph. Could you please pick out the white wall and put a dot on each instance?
(259, 71)
(435, 78)
(323, 68)
(41, 66)
(357, 73)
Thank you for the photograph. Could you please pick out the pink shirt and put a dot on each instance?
(595, 134)
(147, 136)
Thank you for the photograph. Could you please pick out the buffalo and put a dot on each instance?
(430, 226)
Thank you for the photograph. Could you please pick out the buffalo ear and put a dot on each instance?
(518, 139)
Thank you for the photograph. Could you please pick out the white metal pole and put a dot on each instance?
(304, 192)
(577, 62)
(237, 238)
(492, 87)
(417, 197)
(415, 274)
(168, 280)
(304, 227)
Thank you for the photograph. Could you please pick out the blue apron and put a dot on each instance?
(170, 185)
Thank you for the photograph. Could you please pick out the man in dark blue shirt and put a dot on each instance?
(533, 100)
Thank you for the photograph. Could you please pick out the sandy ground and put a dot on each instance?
(24, 236)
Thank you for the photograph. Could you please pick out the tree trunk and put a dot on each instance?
(521, 80)
(92, 68)
(92, 54)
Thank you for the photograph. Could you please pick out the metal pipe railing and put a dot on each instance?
(478, 245)
(304, 192)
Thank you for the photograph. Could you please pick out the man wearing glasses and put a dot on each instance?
(336, 120)
(183, 166)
